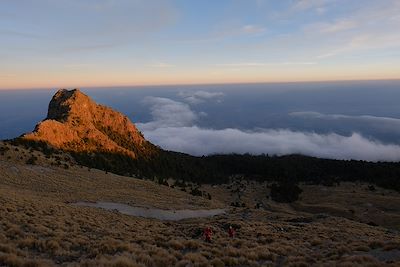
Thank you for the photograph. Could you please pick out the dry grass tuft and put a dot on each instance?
(392, 245)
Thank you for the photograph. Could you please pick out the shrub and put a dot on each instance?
(196, 192)
(285, 192)
(371, 188)
(32, 160)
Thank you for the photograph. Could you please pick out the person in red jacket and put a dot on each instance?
(231, 232)
(207, 234)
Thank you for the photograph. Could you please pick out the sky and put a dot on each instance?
(83, 43)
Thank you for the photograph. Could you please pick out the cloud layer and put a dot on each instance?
(364, 118)
(197, 141)
(174, 128)
(200, 96)
(373, 123)
(167, 113)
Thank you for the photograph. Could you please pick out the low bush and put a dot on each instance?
(285, 192)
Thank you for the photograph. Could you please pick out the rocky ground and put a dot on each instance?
(328, 226)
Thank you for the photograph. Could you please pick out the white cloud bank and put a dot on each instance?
(173, 128)
(200, 96)
(385, 124)
(167, 113)
(318, 115)
(197, 141)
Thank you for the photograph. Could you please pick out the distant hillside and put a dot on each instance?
(99, 137)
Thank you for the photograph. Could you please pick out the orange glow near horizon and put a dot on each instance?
(175, 77)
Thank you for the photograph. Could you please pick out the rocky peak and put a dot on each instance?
(76, 123)
(65, 104)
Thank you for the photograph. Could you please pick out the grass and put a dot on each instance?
(63, 234)
(39, 226)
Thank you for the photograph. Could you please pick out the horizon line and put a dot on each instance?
(198, 84)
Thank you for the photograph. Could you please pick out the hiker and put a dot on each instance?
(231, 232)
(207, 234)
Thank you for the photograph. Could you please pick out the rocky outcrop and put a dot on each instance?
(76, 123)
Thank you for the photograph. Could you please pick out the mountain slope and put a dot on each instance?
(41, 226)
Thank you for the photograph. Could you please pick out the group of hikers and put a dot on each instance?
(207, 233)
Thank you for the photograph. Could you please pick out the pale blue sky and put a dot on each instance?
(54, 43)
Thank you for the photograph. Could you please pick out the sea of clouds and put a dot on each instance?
(174, 127)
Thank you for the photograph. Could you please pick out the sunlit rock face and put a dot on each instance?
(76, 123)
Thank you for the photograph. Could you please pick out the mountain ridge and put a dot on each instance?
(76, 123)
